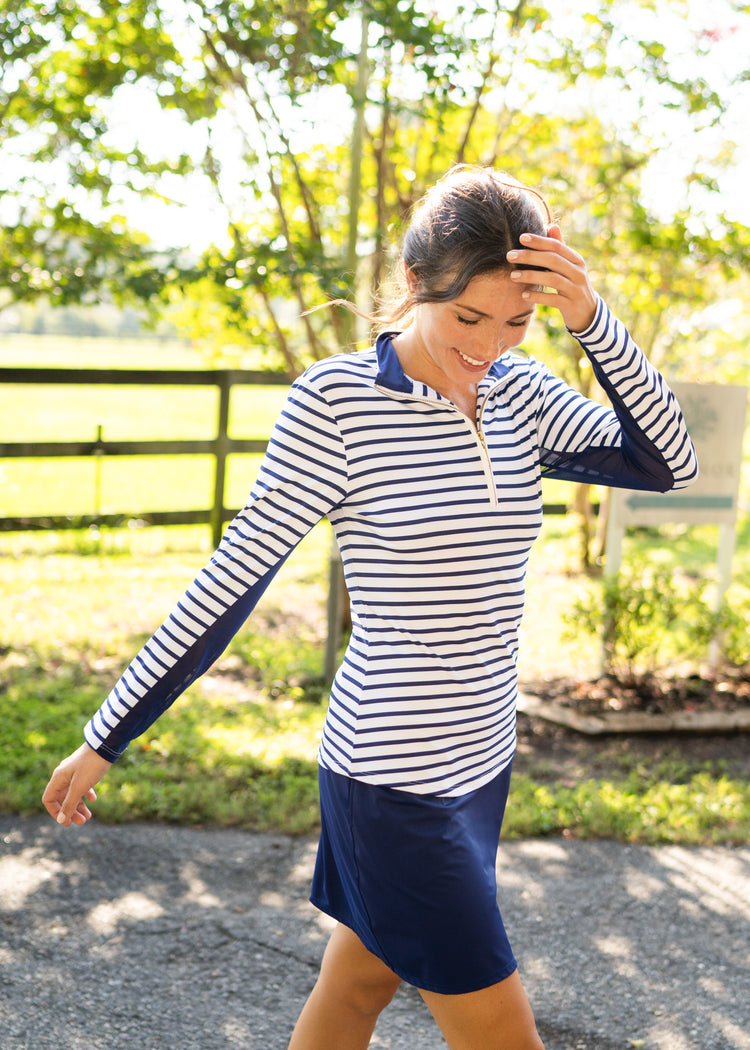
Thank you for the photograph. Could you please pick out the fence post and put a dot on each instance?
(334, 609)
(98, 454)
(221, 448)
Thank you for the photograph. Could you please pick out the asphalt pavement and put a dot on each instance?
(147, 937)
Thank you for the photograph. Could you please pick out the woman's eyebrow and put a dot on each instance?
(481, 313)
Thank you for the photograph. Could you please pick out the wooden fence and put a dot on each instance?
(219, 447)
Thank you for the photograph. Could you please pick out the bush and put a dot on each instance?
(647, 618)
(733, 626)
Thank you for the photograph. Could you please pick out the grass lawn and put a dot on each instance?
(238, 749)
(128, 484)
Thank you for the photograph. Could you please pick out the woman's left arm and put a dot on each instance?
(641, 442)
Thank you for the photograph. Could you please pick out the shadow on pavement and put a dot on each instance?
(150, 937)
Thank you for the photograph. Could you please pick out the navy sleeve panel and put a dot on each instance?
(641, 442)
(194, 662)
(610, 466)
(635, 464)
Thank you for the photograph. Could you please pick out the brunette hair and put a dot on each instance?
(464, 226)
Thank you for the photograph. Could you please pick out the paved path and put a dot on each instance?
(156, 938)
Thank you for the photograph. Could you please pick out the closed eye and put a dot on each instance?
(467, 320)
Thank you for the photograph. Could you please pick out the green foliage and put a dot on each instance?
(42, 700)
(226, 760)
(246, 84)
(650, 807)
(647, 617)
(238, 748)
(63, 63)
(733, 627)
(194, 767)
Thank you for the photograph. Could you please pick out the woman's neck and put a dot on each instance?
(416, 366)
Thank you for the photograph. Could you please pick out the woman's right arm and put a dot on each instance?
(303, 476)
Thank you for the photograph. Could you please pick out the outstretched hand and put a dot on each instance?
(71, 786)
(564, 272)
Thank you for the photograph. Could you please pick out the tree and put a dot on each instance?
(64, 236)
(267, 93)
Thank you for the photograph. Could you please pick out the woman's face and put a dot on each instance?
(460, 339)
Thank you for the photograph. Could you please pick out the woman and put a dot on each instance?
(426, 452)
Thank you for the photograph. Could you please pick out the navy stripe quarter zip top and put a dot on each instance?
(435, 515)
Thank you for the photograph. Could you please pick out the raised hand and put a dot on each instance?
(562, 270)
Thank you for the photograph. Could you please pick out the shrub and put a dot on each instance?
(733, 626)
(647, 617)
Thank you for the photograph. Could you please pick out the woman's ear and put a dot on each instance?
(412, 281)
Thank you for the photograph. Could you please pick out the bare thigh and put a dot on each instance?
(494, 1018)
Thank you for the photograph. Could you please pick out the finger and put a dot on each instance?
(571, 264)
(59, 798)
(552, 243)
(554, 231)
(544, 298)
(547, 287)
(52, 806)
(539, 278)
(74, 809)
(79, 816)
(54, 796)
(82, 812)
(552, 239)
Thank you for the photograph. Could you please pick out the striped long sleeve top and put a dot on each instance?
(434, 517)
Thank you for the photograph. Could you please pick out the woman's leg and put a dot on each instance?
(353, 987)
(495, 1018)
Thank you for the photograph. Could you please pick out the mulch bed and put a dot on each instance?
(691, 703)
(569, 730)
(728, 691)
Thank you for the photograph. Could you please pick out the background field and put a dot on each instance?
(130, 484)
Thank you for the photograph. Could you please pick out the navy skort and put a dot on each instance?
(414, 877)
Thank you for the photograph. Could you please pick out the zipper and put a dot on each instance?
(476, 431)
(489, 474)
(488, 471)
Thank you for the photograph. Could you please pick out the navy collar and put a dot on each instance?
(390, 373)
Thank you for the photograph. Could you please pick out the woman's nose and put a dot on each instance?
(487, 346)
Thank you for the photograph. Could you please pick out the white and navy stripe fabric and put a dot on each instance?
(434, 517)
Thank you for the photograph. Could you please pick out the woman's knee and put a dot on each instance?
(370, 997)
(496, 1017)
(355, 976)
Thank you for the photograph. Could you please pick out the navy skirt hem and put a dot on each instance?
(414, 877)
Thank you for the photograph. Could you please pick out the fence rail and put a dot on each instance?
(219, 447)
(143, 376)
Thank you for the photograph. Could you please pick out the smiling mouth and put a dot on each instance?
(472, 362)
